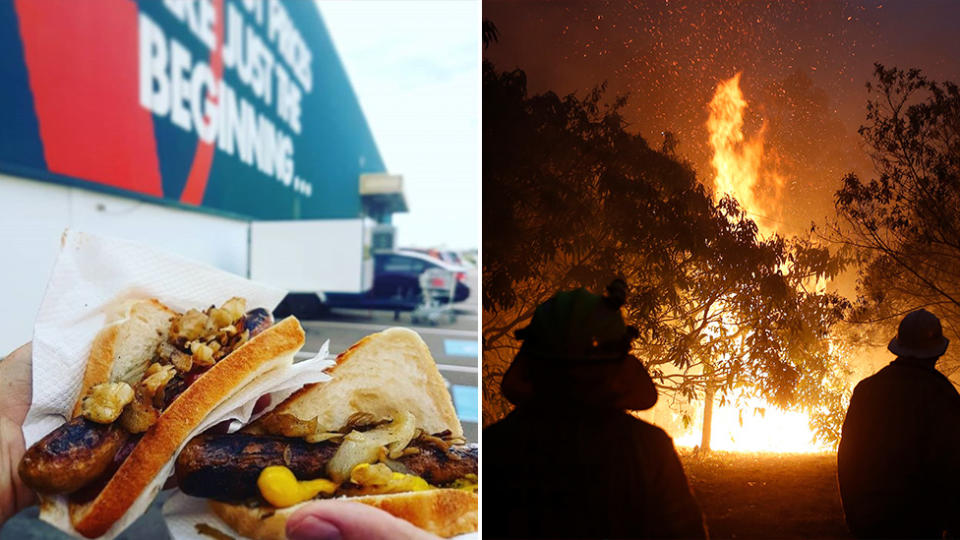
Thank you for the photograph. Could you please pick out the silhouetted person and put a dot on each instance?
(899, 455)
(569, 462)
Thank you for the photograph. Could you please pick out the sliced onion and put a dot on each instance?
(364, 447)
(288, 425)
(397, 466)
(324, 436)
(361, 421)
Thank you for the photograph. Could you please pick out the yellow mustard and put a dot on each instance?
(281, 488)
(378, 479)
(467, 483)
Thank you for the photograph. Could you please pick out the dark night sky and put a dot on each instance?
(804, 68)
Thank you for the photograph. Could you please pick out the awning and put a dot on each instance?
(382, 194)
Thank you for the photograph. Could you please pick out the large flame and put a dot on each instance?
(743, 170)
(740, 163)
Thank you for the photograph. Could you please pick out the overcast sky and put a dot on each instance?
(415, 67)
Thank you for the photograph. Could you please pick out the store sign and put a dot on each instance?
(233, 105)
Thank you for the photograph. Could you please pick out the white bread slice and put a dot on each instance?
(267, 351)
(381, 374)
(123, 349)
(444, 512)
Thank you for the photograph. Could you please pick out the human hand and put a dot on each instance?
(343, 520)
(16, 391)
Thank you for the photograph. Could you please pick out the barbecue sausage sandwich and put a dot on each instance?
(383, 431)
(152, 377)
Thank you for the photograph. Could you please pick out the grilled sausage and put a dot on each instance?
(71, 456)
(90, 490)
(257, 320)
(438, 466)
(226, 467)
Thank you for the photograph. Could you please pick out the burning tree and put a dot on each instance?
(903, 224)
(572, 198)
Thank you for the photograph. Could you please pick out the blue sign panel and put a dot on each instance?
(460, 347)
(466, 400)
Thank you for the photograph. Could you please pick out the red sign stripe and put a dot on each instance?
(203, 158)
(81, 59)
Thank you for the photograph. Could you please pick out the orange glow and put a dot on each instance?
(744, 171)
(773, 431)
(740, 162)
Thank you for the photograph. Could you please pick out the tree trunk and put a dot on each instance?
(707, 418)
(707, 408)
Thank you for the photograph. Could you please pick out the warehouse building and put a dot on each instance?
(208, 128)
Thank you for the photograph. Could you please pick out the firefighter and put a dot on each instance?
(569, 461)
(898, 464)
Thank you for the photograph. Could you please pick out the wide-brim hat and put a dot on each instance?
(577, 347)
(919, 335)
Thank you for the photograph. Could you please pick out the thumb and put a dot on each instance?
(342, 520)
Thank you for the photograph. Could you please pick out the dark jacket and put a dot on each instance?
(899, 456)
(555, 471)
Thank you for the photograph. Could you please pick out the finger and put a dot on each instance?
(16, 383)
(24, 495)
(342, 520)
(14, 496)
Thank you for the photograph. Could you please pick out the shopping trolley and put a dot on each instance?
(437, 287)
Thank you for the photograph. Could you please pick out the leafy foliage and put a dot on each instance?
(490, 33)
(903, 224)
(572, 198)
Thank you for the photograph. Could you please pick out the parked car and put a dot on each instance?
(451, 257)
(396, 287)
